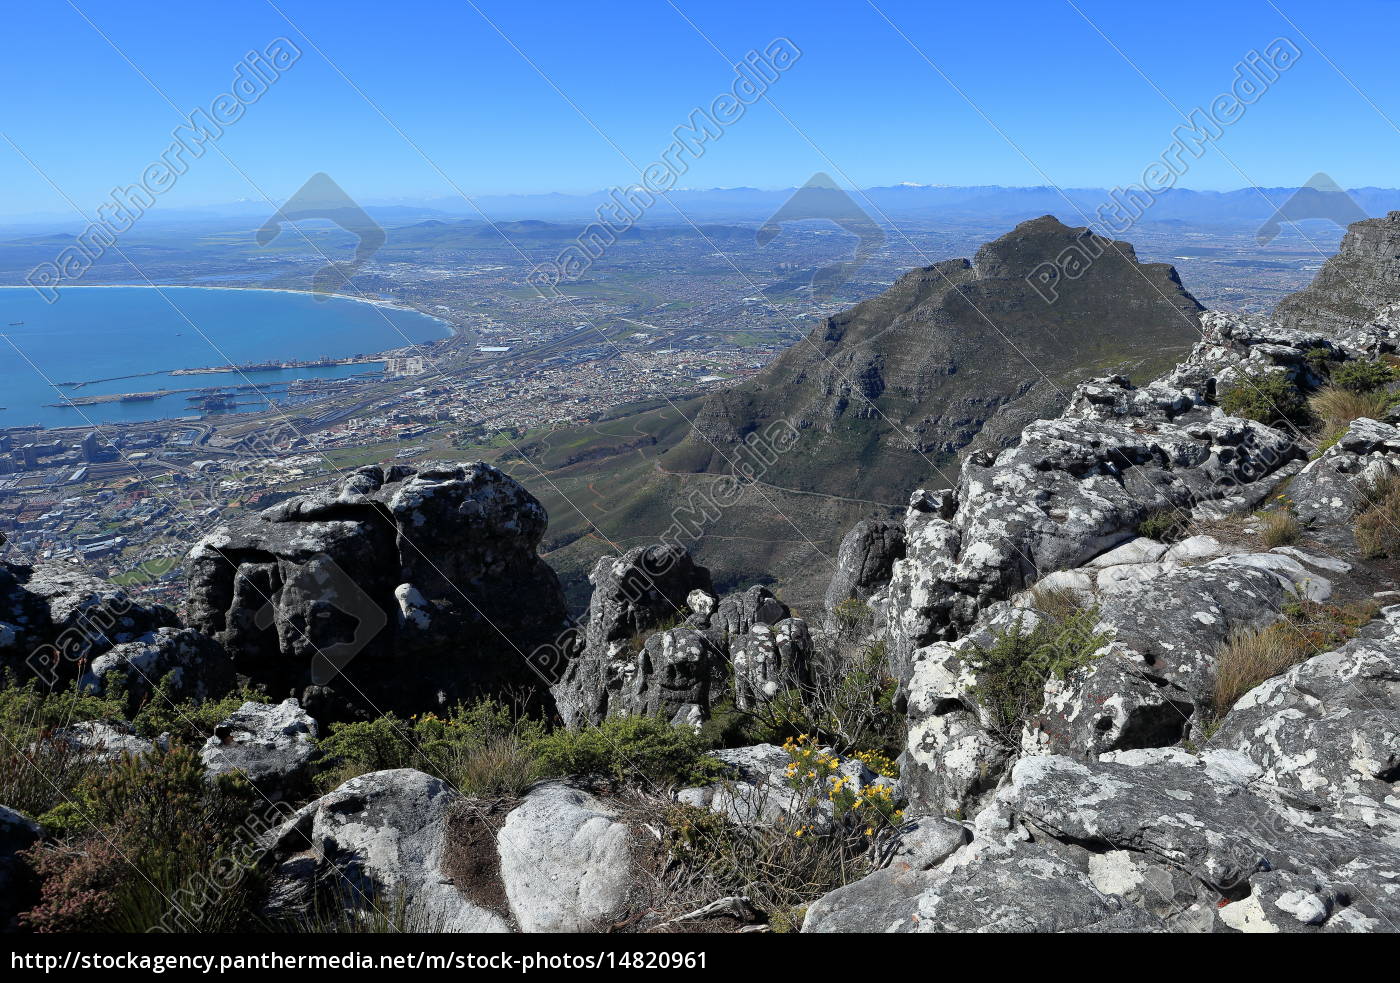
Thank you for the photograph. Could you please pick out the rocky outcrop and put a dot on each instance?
(740, 611)
(1139, 840)
(272, 746)
(865, 561)
(54, 618)
(618, 668)
(1325, 494)
(560, 860)
(95, 740)
(398, 587)
(770, 660)
(1363, 276)
(1122, 801)
(1329, 728)
(198, 667)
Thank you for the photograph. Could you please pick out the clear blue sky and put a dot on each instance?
(860, 92)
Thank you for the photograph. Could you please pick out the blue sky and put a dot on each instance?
(860, 92)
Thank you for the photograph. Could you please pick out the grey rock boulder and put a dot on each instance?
(380, 841)
(633, 595)
(1328, 491)
(740, 611)
(569, 863)
(198, 666)
(865, 560)
(770, 660)
(397, 588)
(54, 617)
(274, 746)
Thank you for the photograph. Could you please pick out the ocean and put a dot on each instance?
(106, 333)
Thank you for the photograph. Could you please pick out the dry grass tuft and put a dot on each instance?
(1279, 528)
(1377, 527)
(1337, 407)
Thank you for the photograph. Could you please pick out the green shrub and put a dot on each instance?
(1013, 670)
(852, 615)
(1266, 397)
(479, 748)
(851, 709)
(144, 831)
(186, 721)
(627, 747)
(1164, 525)
(38, 773)
(1362, 377)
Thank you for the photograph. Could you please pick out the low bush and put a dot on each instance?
(1013, 670)
(851, 708)
(646, 748)
(1362, 376)
(852, 615)
(143, 832)
(1266, 397)
(1164, 525)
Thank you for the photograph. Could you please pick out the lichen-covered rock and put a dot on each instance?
(865, 560)
(54, 617)
(633, 595)
(396, 588)
(740, 611)
(770, 660)
(1140, 840)
(99, 741)
(1075, 487)
(1330, 726)
(568, 862)
(380, 841)
(198, 667)
(1112, 704)
(273, 746)
(1326, 493)
(672, 672)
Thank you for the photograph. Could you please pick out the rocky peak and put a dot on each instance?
(1355, 285)
(396, 587)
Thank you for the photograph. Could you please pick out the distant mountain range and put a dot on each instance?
(921, 202)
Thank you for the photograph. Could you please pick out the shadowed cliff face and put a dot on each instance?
(953, 351)
(1353, 285)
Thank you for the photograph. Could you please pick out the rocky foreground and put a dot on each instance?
(1149, 553)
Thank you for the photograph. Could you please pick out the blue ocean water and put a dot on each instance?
(107, 332)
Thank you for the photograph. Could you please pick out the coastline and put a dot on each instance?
(452, 329)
